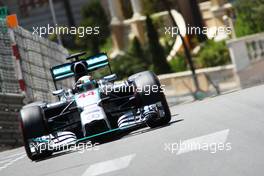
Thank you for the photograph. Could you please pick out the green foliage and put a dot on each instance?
(106, 46)
(157, 52)
(249, 17)
(213, 54)
(94, 16)
(178, 64)
(52, 37)
(138, 52)
(126, 9)
(126, 65)
(153, 6)
(130, 63)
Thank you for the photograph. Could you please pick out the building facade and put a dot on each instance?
(196, 13)
(37, 12)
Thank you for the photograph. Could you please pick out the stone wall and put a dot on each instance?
(25, 62)
(37, 56)
(178, 84)
(10, 135)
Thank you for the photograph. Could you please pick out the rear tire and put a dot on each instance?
(144, 81)
(33, 126)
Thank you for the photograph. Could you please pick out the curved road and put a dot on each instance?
(218, 136)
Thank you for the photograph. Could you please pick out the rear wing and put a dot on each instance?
(65, 71)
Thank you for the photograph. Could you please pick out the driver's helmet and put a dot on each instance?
(86, 83)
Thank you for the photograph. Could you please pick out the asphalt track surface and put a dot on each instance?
(235, 120)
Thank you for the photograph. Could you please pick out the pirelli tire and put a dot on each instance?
(33, 126)
(36, 103)
(151, 92)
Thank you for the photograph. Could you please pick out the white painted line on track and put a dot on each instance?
(11, 156)
(194, 143)
(11, 161)
(4, 161)
(109, 166)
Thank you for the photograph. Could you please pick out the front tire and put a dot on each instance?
(33, 126)
(144, 81)
(153, 123)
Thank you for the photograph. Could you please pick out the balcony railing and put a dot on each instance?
(246, 50)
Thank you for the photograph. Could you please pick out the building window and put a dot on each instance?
(26, 5)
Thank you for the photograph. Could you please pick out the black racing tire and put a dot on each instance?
(33, 126)
(143, 81)
(165, 120)
(36, 103)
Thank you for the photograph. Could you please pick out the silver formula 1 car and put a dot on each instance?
(92, 108)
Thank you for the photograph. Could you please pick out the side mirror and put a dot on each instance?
(110, 78)
(60, 92)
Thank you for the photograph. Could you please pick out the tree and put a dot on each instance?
(132, 62)
(153, 6)
(213, 54)
(249, 17)
(178, 63)
(157, 52)
(138, 52)
(94, 16)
